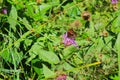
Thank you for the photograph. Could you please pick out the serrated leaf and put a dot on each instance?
(47, 72)
(12, 19)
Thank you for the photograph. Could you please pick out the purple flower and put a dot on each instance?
(61, 77)
(69, 41)
(114, 1)
(4, 11)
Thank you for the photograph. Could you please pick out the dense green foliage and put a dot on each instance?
(31, 45)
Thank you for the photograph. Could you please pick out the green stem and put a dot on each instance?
(88, 65)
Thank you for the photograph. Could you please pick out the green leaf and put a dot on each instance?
(118, 51)
(115, 25)
(29, 11)
(47, 72)
(10, 54)
(48, 56)
(1, 1)
(55, 3)
(70, 78)
(68, 50)
(36, 64)
(99, 45)
(50, 46)
(27, 25)
(12, 19)
(114, 77)
(91, 30)
(28, 42)
(73, 11)
(34, 51)
(118, 42)
(44, 7)
(67, 66)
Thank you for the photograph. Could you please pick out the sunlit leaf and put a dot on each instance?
(27, 25)
(44, 7)
(47, 72)
(12, 19)
(48, 56)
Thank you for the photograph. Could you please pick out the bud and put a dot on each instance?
(115, 7)
(86, 15)
(104, 33)
(75, 24)
(4, 11)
